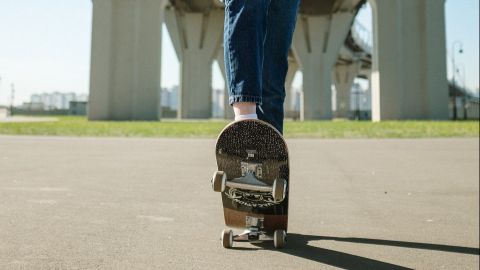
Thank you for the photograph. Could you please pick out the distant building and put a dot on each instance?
(472, 109)
(32, 106)
(360, 102)
(174, 97)
(168, 101)
(464, 102)
(35, 98)
(165, 98)
(361, 99)
(169, 98)
(54, 101)
(77, 108)
(3, 111)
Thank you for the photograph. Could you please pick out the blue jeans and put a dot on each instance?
(257, 37)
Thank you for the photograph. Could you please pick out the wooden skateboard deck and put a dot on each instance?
(254, 152)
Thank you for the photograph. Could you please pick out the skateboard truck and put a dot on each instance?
(249, 182)
(254, 168)
(254, 230)
(254, 233)
(254, 225)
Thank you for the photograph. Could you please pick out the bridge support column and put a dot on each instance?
(227, 109)
(409, 79)
(292, 70)
(316, 43)
(196, 38)
(125, 60)
(368, 76)
(344, 77)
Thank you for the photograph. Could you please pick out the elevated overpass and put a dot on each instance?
(354, 60)
(407, 60)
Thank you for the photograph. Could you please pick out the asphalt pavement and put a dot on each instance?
(138, 203)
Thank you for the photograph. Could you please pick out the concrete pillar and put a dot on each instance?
(125, 60)
(289, 98)
(227, 109)
(196, 38)
(409, 79)
(367, 73)
(316, 43)
(344, 76)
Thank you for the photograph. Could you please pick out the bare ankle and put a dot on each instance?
(242, 108)
(245, 110)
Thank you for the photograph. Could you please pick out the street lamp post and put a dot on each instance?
(464, 97)
(12, 96)
(460, 50)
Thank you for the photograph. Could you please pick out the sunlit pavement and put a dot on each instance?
(123, 203)
(23, 119)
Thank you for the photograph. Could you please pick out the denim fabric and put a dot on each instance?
(257, 37)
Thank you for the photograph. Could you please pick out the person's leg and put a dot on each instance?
(244, 36)
(245, 110)
(281, 21)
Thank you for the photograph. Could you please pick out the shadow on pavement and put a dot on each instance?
(298, 246)
(446, 248)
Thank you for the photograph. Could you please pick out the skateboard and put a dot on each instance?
(253, 179)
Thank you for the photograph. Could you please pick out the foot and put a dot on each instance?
(245, 110)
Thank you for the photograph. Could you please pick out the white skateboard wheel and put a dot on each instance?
(279, 189)
(279, 238)
(218, 181)
(227, 238)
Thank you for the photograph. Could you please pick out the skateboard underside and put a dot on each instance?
(253, 153)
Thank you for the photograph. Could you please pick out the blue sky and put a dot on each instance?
(45, 46)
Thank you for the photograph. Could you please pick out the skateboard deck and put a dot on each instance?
(252, 159)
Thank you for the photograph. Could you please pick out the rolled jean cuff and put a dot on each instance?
(242, 98)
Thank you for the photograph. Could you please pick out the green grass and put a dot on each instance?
(79, 126)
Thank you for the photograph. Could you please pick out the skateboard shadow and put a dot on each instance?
(297, 245)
